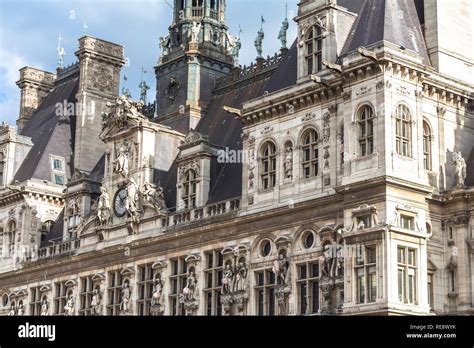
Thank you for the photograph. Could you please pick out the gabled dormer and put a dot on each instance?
(194, 171)
(323, 26)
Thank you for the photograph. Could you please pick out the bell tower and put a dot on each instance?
(194, 55)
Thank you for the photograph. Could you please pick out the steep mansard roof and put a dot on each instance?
(394, 21)
(50, 134)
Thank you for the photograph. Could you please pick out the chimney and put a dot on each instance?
(100, 63)
(34, 85)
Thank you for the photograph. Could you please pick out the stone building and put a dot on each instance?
(333, 178)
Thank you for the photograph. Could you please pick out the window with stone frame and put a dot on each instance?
(265, 292)
(314, 49)
(61, 294)
(114, 292)
(58, 170)
(427, 137)
(268, 165)
(88, 285)
(213, 282)
(407, 222)
(189, 189)
(366, 276)
(431, 290)
(403, 131)
(407, 274)
(365, 121)
(178, 280)
(11, 236)
(307, 285)
(145, 285)
(36, 300)
(46, 227)
(310, 153)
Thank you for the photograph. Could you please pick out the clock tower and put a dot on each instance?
(194, 55)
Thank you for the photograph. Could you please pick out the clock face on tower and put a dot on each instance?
(119, 202)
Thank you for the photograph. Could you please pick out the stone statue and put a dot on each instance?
(227, 279)
(131, 201)
(44, 308)
(157, 292)
(460, 167)
(125, 296)
(282, 36)
(121, 161)
(188, 291)
(61, 54)
(259, 43)
(323, 265)
(12, 311)
(289, 162)
(154, 196)
(103, 208)
(143, 91)
(69, 307)
(20, 310)
(95, 302)
(165, 45)
(234, 48)
(195, 31)
(281, 270)
(240, 278)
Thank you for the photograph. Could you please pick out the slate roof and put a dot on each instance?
(50, 134)
(394, 21)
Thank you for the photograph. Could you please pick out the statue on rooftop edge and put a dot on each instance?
(282, 36)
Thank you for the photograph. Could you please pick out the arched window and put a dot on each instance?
(46, 228)
(310, 153)
(403, 130)
(314, 50)
(189, 189)
(427, 162)
(268, 163)
(366, 130)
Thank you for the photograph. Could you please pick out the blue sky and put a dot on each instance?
(29, 31)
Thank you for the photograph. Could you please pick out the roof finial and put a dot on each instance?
(61, 54)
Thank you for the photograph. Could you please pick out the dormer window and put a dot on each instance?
(58, 173)
(314, 50)
(189, 189)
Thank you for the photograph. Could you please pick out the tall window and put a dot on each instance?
(213, 282)
(189, 189)
(427, 162)
(114, 292)
(46, 228)
(310, 149)
(35, 301)
(407, 268)
(11, 236)
(366, 276)
(366, 130)
(268, 162)
(85, 296)
(178, 279)
(265, 292)
(314, 48)
(145, 289)
(431, 291)
(403, 130)
(308, 288)
(61, 294)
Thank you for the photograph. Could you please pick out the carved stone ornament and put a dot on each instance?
(184, 167)
(173, 89)
(124, 113)
(311, 116)
(194, 137)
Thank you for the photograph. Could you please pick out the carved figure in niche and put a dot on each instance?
(240, 277)
(69, 307)
(195, 30)
(280, 268)
(188, 291)
(95, 302)
(103, 207)
(460, 167)
(288, 162)
(125, 295)
(227, 278)
(12, 311)
(20, 310)
(44, 307)
(154, 196)
(157, 292)
(121, 161)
